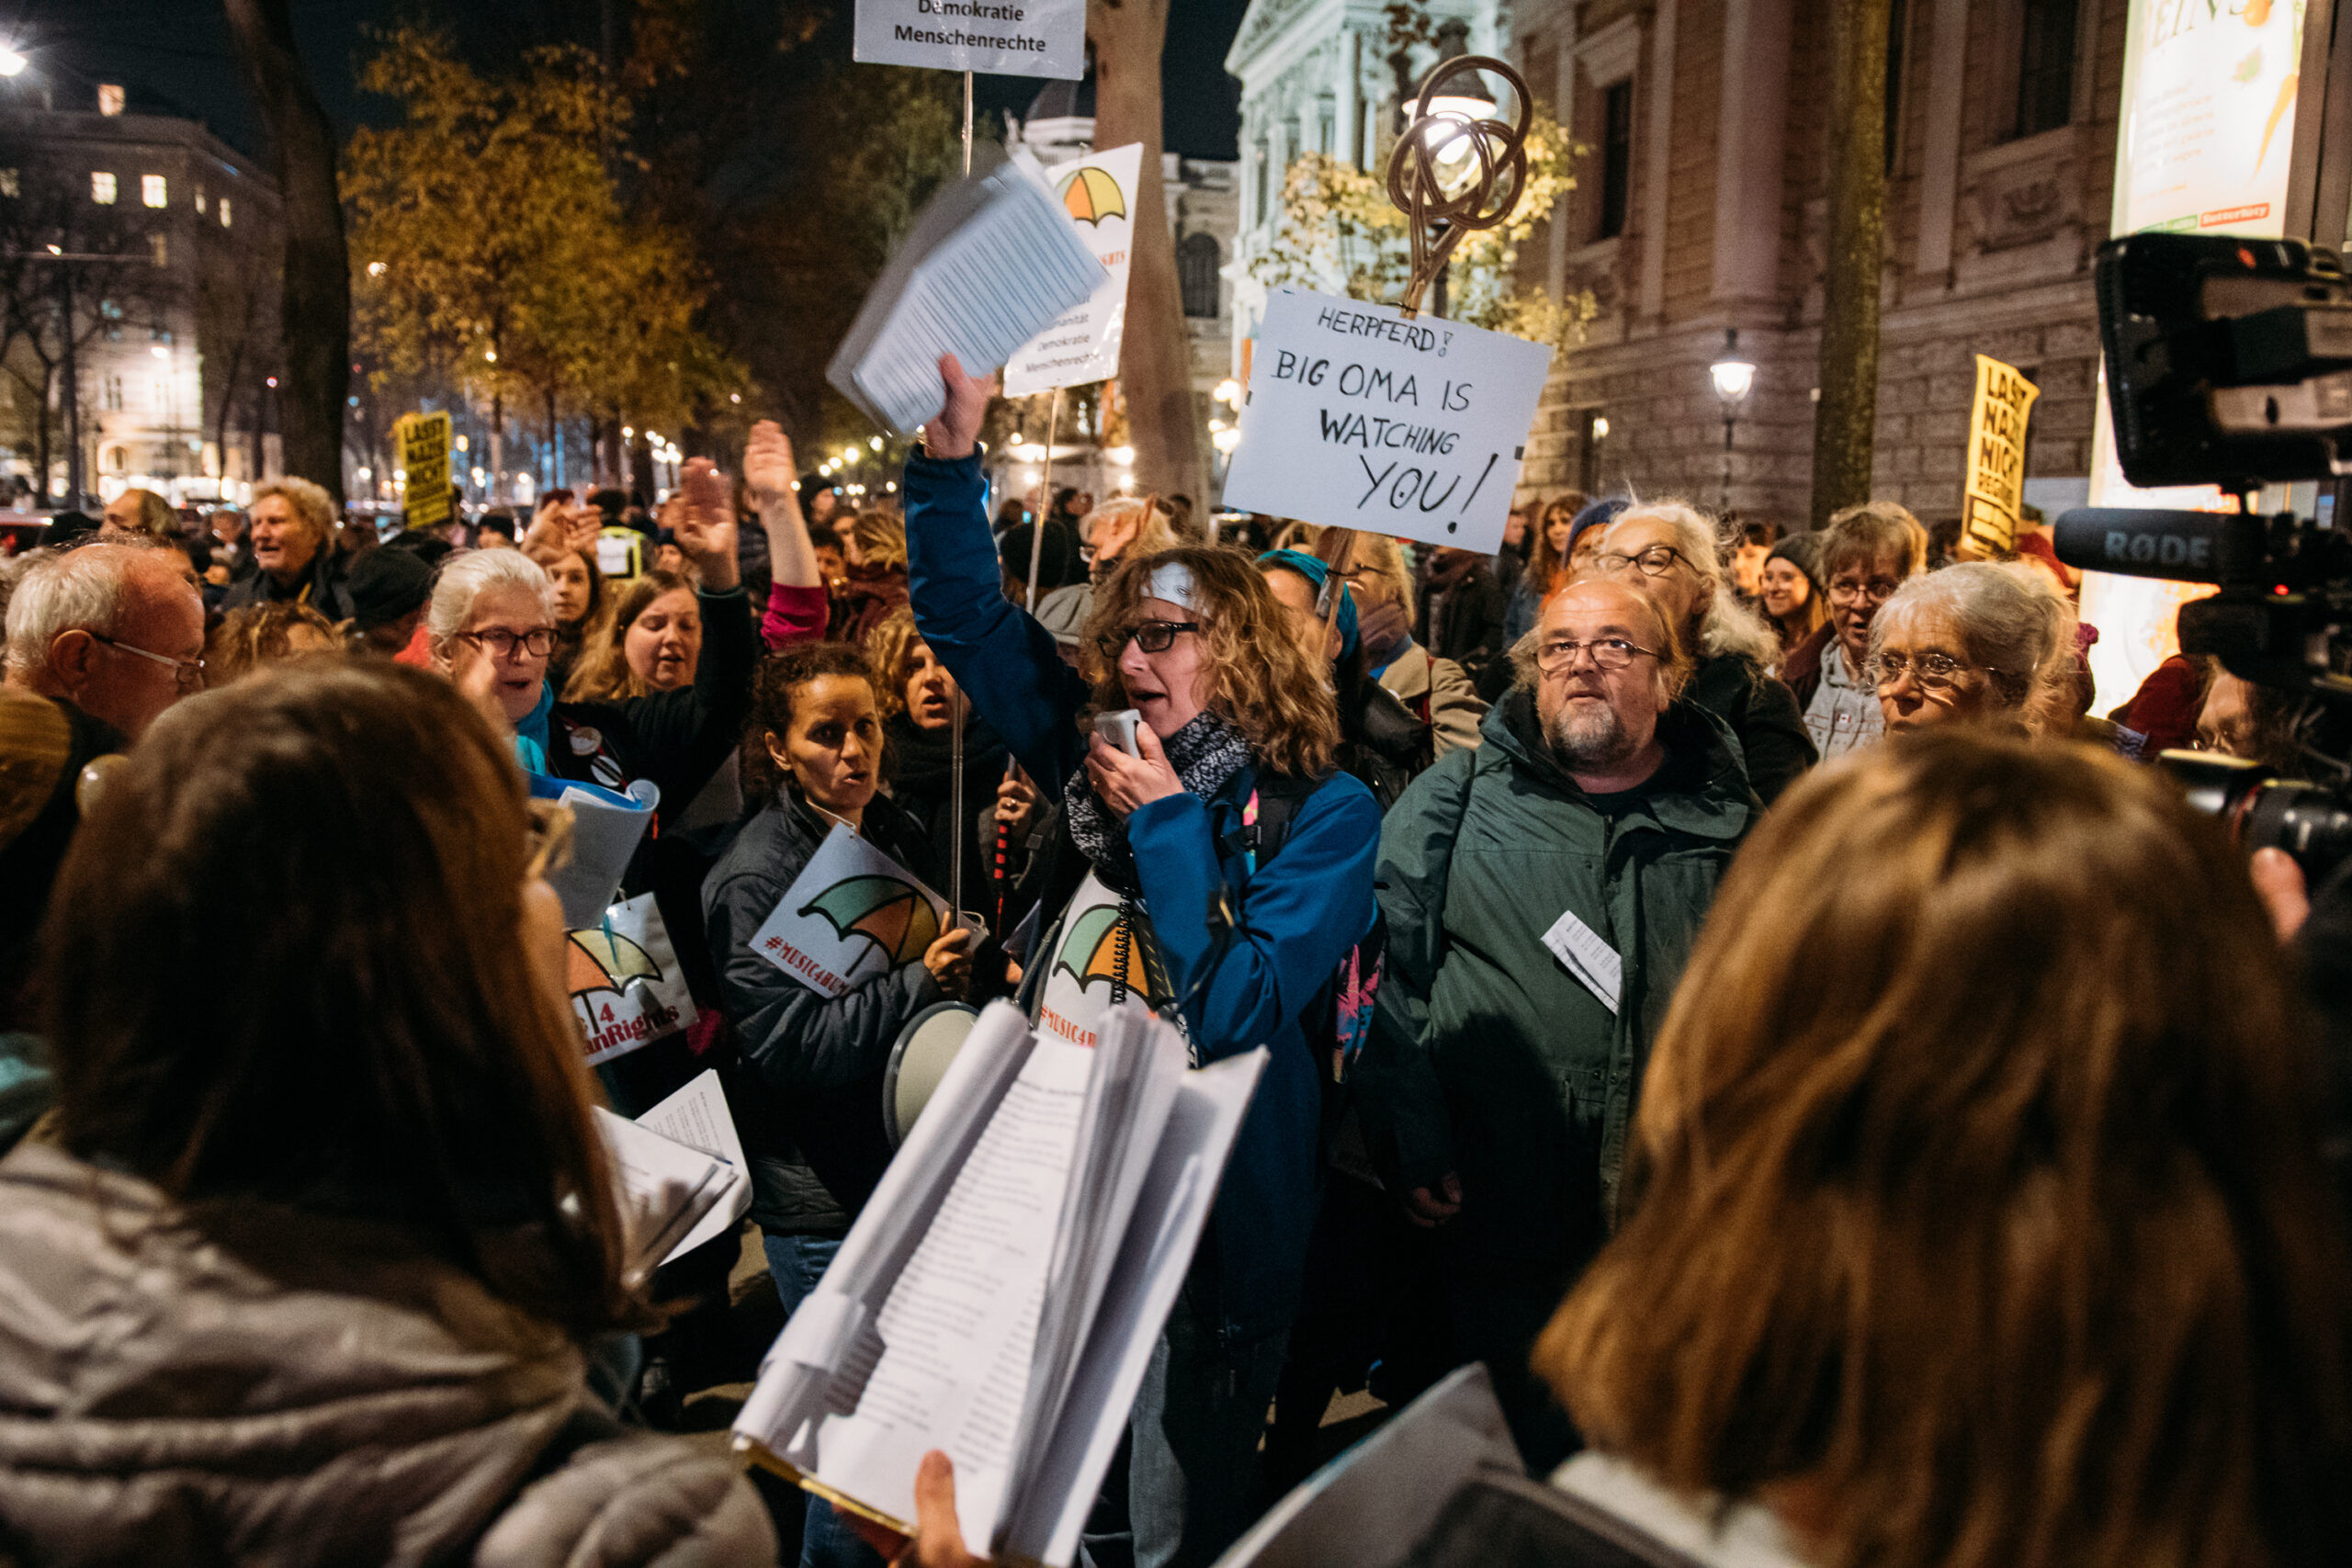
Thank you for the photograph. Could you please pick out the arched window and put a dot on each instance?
(1197, 261)
(116, 459)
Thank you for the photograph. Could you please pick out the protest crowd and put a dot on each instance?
(1723, 979)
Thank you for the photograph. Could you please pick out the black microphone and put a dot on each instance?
(2183, 547)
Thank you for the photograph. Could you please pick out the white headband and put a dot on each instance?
(1173, 581)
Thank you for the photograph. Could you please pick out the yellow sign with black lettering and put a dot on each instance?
(423, 441)
(1995, 459)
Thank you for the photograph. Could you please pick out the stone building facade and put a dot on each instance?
(175, 302)
(1700, 208)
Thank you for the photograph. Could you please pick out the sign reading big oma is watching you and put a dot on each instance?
(1004, 38)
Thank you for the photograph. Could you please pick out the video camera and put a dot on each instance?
(2229, 363)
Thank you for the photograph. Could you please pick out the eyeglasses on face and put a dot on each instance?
(1877, 590)
(538, 642)
(1655, 562)
(1152, 637)
(1935, 673)
(1610, 654)
(189, 671)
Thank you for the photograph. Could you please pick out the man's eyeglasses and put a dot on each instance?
(1936, 672)
(1655, 562)
(1610, 654)
(1152, 637)
(1877, 590)
(190, 672)
(538, 642)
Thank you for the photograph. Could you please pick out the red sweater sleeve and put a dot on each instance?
(795, 615)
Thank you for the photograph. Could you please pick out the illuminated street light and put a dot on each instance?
(874, 442)
(11, 62)
(1226, 440)
(1229, 392)
(1734, 377)
(1122, 456)
(375, 269)
(160, 352)
(490, 355)
(1600, 428)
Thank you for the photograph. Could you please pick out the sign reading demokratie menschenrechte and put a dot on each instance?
(1358, 418)
(1004, 38)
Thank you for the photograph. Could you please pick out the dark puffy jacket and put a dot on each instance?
(1488, 1056)
(1298, 914)
(1763, 716)
(816, 1061)
(323, 587)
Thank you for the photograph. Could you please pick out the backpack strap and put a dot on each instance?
(1273, 806)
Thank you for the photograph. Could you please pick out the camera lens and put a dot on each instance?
(2309, 822)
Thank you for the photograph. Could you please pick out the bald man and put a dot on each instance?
(1542, 893)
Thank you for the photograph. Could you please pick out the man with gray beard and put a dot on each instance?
(1542, 893)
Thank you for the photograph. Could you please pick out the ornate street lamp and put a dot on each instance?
(1734, 377)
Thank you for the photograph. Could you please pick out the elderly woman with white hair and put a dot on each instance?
(491, 624)
(1666, 549)
(1976, 644)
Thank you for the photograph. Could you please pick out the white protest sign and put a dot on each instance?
(1358, 418)
(1093, 958)
(1099, 194)
(1001, 38)
(851, 914)
(626, 983)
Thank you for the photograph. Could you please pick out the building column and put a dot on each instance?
(1564, 98)
(1749, 137)
(1658, 167)
(1351, 84)
(1939, 158)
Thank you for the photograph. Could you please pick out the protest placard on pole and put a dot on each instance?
(423, 441)
(1003, 37)
(1996, 487)
(1361, 417)
(1082, 346)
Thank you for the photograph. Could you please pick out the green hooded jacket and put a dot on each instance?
(1488, 1056)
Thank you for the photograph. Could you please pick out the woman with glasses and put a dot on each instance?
(1667, 550)
(1973, 644)
(1228, 866)
(317, 1272)
(491, 624)
(1867, 552)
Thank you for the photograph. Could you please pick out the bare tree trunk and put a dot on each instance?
(316, 304)
(41, 473)
(1844, 424)
(1155, 359)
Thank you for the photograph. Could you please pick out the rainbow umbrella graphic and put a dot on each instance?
(899, 920)
(1091, 194)
(1091, 953)
(605, 961)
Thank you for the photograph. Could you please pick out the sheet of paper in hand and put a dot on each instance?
(1358, 418)
(851, 914)
(1082, 346)
(1001, 38)
(991, 261)
(625, 981)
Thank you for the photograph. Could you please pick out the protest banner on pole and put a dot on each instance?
(1082, 346)
(1359, 416)
(1001, 38)
(423, 441)
(1996, 487)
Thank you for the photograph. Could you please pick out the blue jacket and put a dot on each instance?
(1297, 915)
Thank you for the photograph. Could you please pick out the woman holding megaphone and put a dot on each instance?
(1214, 862)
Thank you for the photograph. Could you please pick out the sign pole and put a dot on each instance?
(956, 714)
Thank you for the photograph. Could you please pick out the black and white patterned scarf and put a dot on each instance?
(1206, 753)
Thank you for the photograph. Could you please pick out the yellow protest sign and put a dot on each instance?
(1995, 459)
(424, 456)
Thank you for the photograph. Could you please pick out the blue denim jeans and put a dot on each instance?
(798, 1262)
(1190, 1486)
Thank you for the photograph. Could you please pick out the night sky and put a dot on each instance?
(174, 56)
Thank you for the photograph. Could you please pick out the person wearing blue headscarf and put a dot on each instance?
(1382, 742)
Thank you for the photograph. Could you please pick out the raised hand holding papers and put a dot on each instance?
(1359, 417)
(989, 262)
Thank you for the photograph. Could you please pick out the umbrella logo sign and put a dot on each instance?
(625, 986)
(851, 913)
(1091, 194)
(1090, 954)
(893, 913)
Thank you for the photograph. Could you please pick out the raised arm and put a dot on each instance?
(768, 469)
(1005, 661)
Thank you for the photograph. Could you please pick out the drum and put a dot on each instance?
(919, 1060)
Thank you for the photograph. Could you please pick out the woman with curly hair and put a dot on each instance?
(1235, 863)
(874, 554)
(263, 634)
